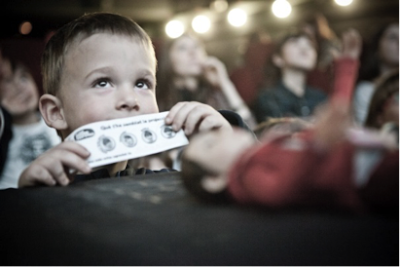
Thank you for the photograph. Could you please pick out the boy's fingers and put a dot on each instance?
(174, 110)
(57, 172)
(62, 158)
(180, 118)
(195, 118)
(210, 122)
(45, 178)
(73, 161)
(35, 174)
(75, 148)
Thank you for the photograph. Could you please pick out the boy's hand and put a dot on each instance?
(51, 167)
(195, 117)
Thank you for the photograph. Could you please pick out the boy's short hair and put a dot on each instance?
(53, 58)
(293, 34)
(273, 72)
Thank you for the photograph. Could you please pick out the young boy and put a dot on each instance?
(101, 67)
(329, 166)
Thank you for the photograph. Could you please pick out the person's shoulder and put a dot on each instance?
(267, 93)
(270, 89)
(316, 92)
(235, 119)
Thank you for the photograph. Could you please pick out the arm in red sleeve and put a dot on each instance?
(345, 70)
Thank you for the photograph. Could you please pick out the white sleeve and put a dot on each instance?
(362, 98)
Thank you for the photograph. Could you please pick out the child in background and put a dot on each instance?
(30, 134)
(187, 73)
(102, 67)
(326, 164)
(383, 113)
(294, 56)
(325, 167)
(5, 117)
(381, 57)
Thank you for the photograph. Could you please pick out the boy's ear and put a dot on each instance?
(52, 112)
(278, 61)
(214, 184)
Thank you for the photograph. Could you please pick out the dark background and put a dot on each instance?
(224, 41)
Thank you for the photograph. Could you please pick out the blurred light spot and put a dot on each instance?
(237, 17)
(174, 28)
(219, 5)
(201, 24)
(281, 8)
(343, 2)
(25, 28)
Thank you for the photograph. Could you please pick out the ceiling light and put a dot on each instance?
(201, 24)
(237, 17)
(25, 28)
(281, 8)
(219, 5)
(343, 2)
(174, 29)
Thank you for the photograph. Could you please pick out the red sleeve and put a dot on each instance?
(272, 176)
(288, 173)
(345, 70)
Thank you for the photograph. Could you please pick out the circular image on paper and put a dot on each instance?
(149, 136)
(106, 143)
(128, 139)
(167, 131)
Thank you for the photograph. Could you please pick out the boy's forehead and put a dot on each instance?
(92, 43)
(81, 40)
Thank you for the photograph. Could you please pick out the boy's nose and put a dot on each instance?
(127, 100)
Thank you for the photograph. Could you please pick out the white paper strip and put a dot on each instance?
(122, 139)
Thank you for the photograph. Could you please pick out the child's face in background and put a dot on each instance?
(19, 94)
(389, 45)
(107, 77)
(218, 150)
(187, 56)
(299, 53)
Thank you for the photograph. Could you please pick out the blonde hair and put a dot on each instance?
(53, 58)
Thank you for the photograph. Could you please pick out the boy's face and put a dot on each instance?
(299, 53)
(106, 77)
(218, 150)
(18, 92)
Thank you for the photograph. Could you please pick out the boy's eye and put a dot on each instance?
(143, 84)
(102, 83)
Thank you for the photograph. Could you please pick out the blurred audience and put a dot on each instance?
(292, 97)
(327, 41)
(294, 56)
(249, 76)
(30, 135)
(320, 167)
(383, 113)
(5, 117)
(381, 57)
(187, 73)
